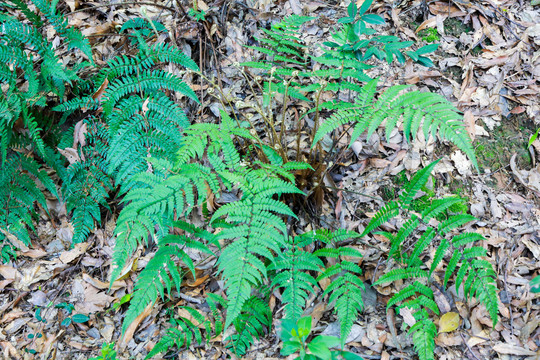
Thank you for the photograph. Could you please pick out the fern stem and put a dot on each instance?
(316, 120)
(287, 84)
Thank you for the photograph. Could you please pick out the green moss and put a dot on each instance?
(429, 35)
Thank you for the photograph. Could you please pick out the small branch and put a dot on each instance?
(124, 4)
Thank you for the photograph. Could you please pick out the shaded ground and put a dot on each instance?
(488, 64)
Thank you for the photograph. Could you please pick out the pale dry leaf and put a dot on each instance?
(71, 155)
(9, 350)
(118, 284)
(470, 125)
(462, 163)
(407, 315)
(78, 249)
(481, 338)
(79, 134)
(10, 273)
(508, 349)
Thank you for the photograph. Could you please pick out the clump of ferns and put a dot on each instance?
(268, 126)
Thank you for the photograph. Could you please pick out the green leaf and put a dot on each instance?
(66, 322)
(290, 347)
(535, 284)
(321, 350)
(305, 324)
(80, 318)
(329, 341)
(373, 19)
(364, 7)
(345, 20)
(531, 140)
(427, 49)
(352, 9)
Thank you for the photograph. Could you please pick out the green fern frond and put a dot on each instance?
(292, 268)
(402, 274)
(19, 192)
(423, 334)
(185, 332)
(396, 242)
(417, 182)
(463, 239)
(389, 210)
(431, 111)
(439, 206)
(454, 222)
(253, 322)
(161, 275)
(345, 288)
(145, 81)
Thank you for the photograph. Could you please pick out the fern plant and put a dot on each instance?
(138, 121)
(408, 248)
(184, 331)
(20, 182)
(281, 77)
(31, 76)
(429, 112)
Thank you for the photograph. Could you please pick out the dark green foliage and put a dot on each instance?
(21, 183)
(86, 184)
(142, 28)
(465, 263)
(254, 321)
(184, 331)
(30, 73)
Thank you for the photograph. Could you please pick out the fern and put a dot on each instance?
(184, 331)
(19, 190)
(253, 322)
(346, 287)
(162, 274)
(293, 268)
(430, 111)
(86, 184)
(465, 264)
(258, 231)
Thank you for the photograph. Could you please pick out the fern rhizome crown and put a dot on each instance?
(219, 193)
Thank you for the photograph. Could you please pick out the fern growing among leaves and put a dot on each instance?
(86, 183)
(429, 112)
(20, 181)
(465, 265)
(184, 330)
(294, 267)
(31, 75)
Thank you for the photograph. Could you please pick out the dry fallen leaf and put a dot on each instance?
(128, 334)
(449, 322)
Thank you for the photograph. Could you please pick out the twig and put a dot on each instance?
(124, 4)
(468, 347)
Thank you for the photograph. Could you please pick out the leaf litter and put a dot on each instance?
(488, 64)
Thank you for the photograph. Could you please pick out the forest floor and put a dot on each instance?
(488, 65)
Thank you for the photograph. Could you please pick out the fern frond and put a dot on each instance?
(346, 287)
(419, 179)
(389, 210)
(253, 321)
(161, 275)
(454, 222)
(423, 333)
(402, 274)
(293, 267)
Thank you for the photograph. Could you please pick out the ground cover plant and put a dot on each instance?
(237, 195)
